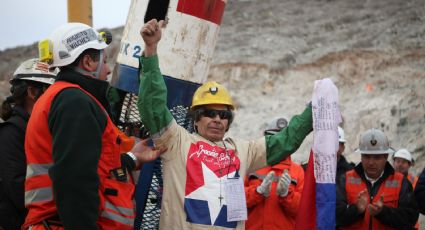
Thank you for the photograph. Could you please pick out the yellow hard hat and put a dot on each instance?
(211, 93)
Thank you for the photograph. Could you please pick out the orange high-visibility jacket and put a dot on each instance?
(413, 179)
(274, 212)
(389, 189)
(116, 207)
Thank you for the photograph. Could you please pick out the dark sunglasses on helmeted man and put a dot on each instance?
(223, 114)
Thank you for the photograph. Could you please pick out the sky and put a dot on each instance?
(23, 22)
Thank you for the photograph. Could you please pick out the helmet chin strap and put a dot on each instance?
(99, 66)
(96, 73)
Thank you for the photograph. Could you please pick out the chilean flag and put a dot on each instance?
(208, 168)
(322, 197)
(307, 220)
(319, 182)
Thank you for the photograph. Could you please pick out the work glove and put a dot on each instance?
(266, 185)
(283, 184)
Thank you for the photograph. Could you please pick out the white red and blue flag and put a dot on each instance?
(317, 205)
(208, 167)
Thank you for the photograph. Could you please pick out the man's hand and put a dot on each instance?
(151, 33)
(144, 153)
(264, 188)
(376, 208)
(283, 185)
(362, 201)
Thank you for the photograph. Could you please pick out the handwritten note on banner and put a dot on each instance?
(326, 117)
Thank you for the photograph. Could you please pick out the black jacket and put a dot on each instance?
(402, 217)
(13, 169)
(420, 192)
(343, 166)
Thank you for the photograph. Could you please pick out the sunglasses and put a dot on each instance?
(223, 114)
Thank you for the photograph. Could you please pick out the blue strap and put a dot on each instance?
(142, 190)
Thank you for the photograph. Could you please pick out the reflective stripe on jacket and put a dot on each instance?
(274, 212)
(116, 207)
(389, 190)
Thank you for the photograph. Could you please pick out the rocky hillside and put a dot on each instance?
(270, 52)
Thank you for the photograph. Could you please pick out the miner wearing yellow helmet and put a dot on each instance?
(198, 168)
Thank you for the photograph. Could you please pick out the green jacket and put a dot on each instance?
(152, 104)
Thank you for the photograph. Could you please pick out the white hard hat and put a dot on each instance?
(34, 70)
(374, 141)
(341, 135)
(67, 42)
(403, 153)
(276, 125)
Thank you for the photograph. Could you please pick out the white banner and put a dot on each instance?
(326, 117)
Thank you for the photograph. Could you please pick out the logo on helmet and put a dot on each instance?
(281, 123)
(44, 67)
(373, 141)
(213, 90)
(80, 38)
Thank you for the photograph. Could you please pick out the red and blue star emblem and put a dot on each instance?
(208, 167)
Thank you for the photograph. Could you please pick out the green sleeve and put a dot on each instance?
(115, 98)
(289, 139)
(152, 102)
(76, 123)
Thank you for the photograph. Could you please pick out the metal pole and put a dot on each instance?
(80, 11)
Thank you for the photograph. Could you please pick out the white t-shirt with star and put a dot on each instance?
(194, 173)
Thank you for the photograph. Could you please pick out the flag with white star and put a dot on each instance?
(208, 167)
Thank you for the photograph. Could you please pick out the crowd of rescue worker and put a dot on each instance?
(64, 164)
